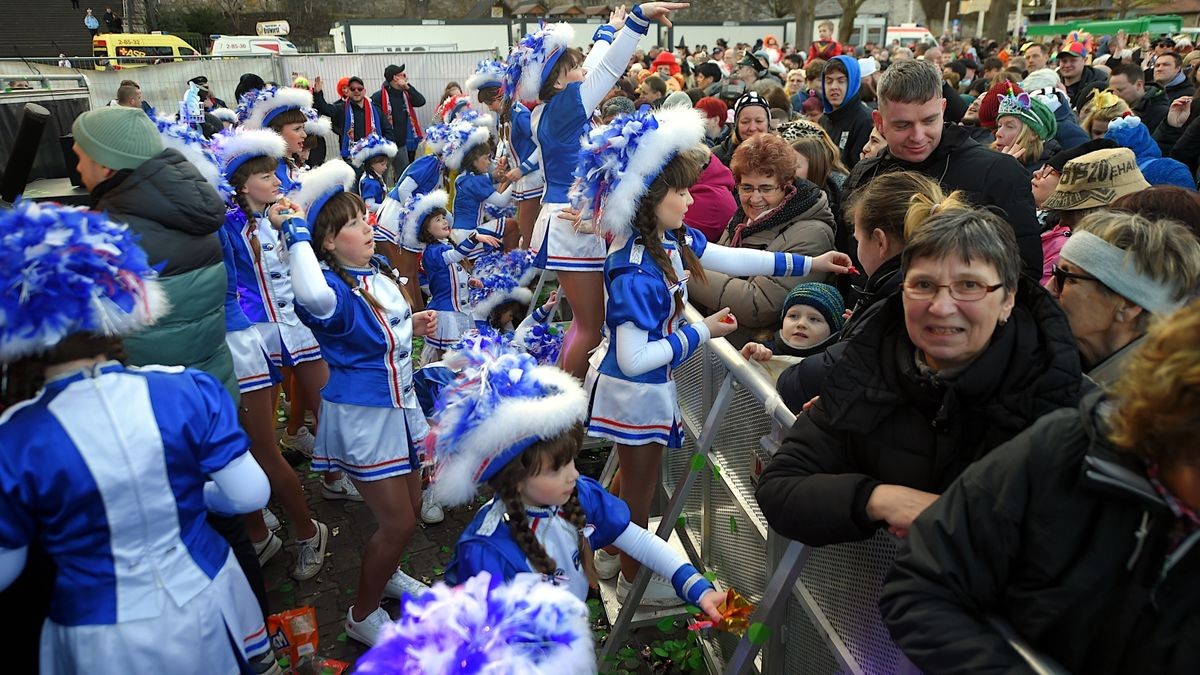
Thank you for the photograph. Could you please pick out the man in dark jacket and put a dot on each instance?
(910, 119)
(1086, 549)
(846, 118)
(359, 116)
(399, 113)
(1168, 74)
(882, 421)
(1079, 79)
(1146, 100)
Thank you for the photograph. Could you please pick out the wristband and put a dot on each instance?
(604, 33)
(295, 230)
(636, 21)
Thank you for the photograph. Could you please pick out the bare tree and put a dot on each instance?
(995, 22)
(849, 14)
(935, 9)
(1123, 7)
(805, 12)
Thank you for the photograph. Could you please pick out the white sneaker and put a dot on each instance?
(271, 520)
(659, 592)
(367, 631)
(302, 442)
(341, 488)
(431, 511)
(310, 554)
(607, 564)
(401, 583)
(267, 548)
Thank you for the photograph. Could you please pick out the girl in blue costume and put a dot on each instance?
(426, 225)
(636, 172)
(474, 189)
(370, 418)
(517, 426)
(372, 155)
(545, 68)
(485, 89)
(241, 154)
(112, 470)
(288, 112)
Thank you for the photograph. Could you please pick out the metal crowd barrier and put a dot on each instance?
(820, 604)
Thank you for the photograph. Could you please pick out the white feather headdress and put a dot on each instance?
(319, 184)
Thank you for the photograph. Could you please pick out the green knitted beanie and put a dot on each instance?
(117, 137)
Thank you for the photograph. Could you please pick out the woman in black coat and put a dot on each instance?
(965, 357)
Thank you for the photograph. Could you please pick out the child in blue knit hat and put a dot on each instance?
(812, 319)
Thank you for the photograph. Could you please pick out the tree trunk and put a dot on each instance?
(849, 14)
(995, 24)
(805, 12)
(935, 10)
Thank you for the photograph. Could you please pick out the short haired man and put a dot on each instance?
(1147, 100)
(1079, 78)
(652, 91)
(1036, 57)
(1168, 74)
(708, 78)
(846, 119)
(129, 96)
(911, 119)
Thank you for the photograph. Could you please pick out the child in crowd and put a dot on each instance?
(370, 421)
(636, 172)
(288, 112)
(470, 153)
(485, 88)
(812, 320)
(372, 155)
(517, 426)
(112, 470)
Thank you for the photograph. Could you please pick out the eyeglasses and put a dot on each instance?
(1045, 172)
(764, 190)
(1060, 276)
(966, 290)
(357, 89)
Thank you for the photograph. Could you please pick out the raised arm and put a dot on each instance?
(308, 282)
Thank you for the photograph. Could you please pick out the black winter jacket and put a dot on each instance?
(399, 123)
(850, 128)
(880, 421)
(1065, 538)
(989, 177)
(1152, 107)
(1089, 80)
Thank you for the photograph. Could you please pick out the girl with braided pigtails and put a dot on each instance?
(371, 421)
(517, 426)
(635, 173)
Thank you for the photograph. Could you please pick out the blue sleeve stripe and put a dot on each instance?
(605, 33)
(465, 247)
(690, 584)
(527, 167)
(687, 339)
(791, 265)
(678, 347)
(637, 22)
(540, 315)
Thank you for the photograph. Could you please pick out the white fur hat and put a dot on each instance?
(411, 215)
(259, 107)
(534, 56)
(317, 186)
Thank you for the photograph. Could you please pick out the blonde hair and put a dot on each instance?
(876, 205)
(1158, 393)
(1101, 108)
(929, 202)
(1028, 140)
(822, 155)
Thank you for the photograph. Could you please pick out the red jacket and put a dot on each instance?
(824, 49)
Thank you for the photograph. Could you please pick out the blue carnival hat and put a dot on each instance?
(66, 270)
(411, 216)
(234, 147)
(460, 139)
(534, 57)
(1167, 171)
(436, 138)
(619, 161)
(316, 124)
(374, 145)
(501, 404)
(259, 106)
(526, 626)
(197, 149)
(503, 277)
(319, 185)
(488, 73)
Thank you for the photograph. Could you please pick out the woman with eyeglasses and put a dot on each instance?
(776, 212)
(1116, 274)
(967, 355)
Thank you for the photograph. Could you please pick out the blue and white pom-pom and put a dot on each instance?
(373, 145)
(494, 212)
(234, 147)
(66, 270)
(618, 162)
(315, 123)
(523, 627)
(501, 404)
(259, 106)
(541, 341)
(503, 277)
(488, 73)
(318, 185)
(436, 138)
(197, 149)
(461, 138)
(226, 115)
(412, 217)
(534, 57)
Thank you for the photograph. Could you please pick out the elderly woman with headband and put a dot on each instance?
(1117, 272)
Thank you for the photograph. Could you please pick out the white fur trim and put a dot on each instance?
(384, 148)
(512, 421)
(520, 294)
(194, 152)
(678, 129)
(224, 114)
(411, 227)
(285, 97)
(456, 150)
(243, 142)
(321, 181)
(558, 36)
(318, 127)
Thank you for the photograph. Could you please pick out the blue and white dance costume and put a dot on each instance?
(449, 290)
(288, 175)
(557, 127)
(422, 176)
(472, 193)
(251, 359)
(264, 289)
(113, 471)
(488, 545)
(532, 182)
(633, 399)
(372, 191)
(371, 422)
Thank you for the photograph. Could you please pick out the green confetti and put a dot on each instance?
(711, 576)
(666, 625)
(445, 549)
(681, 521)
(697, 462)
(758, 633)
(342, 637)
(438, 571)
(312, 475)
(733, 524)
(716, 471)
